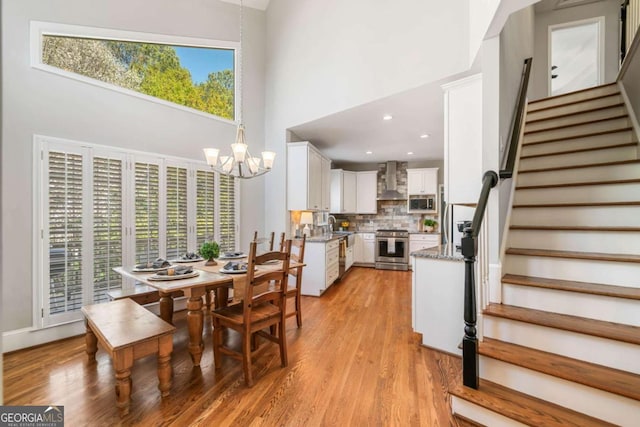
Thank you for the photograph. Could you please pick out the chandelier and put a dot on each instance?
(240, 163)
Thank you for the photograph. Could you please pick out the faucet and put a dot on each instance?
(331, 223)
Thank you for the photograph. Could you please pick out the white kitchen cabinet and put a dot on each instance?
(463, 159)
(367, 192)
(422, 181)
(423, 241)
(365, 249)
(325, 174)
(343, 191)
(305, 178)
(322, 267)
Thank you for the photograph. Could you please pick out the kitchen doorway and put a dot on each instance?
(576, 55)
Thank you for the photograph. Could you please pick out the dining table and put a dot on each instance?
(208, 279)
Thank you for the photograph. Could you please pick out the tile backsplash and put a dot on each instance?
(391, 213)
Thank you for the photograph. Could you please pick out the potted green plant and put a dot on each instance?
(209, 251)
(429, 225)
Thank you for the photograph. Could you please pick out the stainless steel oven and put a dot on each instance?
(392, 249)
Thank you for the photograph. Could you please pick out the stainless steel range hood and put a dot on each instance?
(391, 192)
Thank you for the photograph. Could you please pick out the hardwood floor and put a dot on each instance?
(355, 361)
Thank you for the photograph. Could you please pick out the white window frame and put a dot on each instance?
(42, 145)
(41, 28)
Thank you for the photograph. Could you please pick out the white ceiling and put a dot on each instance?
(345, 137)
(256, 4)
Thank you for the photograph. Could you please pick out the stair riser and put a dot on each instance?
(585, 241)
(604, 272)
(596, 403)
(595, 141)
(575, 119)
(575, 108)
(618, 310)
(580, 194)
(582, 216)
(587, 174)
(611, 353)
(575, 131)
(574, 97)
(614, 154)
(481, 415)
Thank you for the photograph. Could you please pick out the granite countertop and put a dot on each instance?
(424, 232)
(446, 252)
(323, 238)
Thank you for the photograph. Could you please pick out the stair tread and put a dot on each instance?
(575, 205)
(611, 380)
(579, 150)
(462, 421)
(579, 184)
(564, 138)
(572, 228)
(586, 165)
(523, 408)
(573, 113)
(594, 256)
(582, 325)
(573, 286)
(575, 125)
(594, 89)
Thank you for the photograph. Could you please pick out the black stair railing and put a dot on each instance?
(469, 242)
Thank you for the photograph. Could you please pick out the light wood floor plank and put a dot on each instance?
(355, 361)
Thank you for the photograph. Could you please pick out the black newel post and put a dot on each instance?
(470, 363)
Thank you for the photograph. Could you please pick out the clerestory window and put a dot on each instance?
(193, 73)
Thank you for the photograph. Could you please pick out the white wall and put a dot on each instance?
(48, 104)
(516, 44)
(609, 9)
(326, 56)
(631, 79)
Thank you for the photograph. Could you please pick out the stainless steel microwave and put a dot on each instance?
(422, 204)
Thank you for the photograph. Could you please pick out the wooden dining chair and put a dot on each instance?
(261, 313)
(294, 288)
(267, 239)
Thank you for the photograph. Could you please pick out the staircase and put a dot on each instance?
(563, 348)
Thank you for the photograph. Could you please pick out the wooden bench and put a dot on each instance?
(128, 331)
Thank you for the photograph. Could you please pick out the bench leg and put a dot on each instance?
(195, 322)
(91, 342)
(122, 362)
(166, 307)
(165, 347)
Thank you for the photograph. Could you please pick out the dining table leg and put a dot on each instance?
(195, 323)
(166, 307)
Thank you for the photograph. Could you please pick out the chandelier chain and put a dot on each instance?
(240, 94)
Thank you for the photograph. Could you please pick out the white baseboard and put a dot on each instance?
(495, 283)
(29, 337)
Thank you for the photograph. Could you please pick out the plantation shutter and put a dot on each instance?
(205, 207)
(147, 211)
(176, 211)
(107, 226)
(227, 213)
(65, 204)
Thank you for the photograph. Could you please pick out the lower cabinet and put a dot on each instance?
(365, 249)
(322, 267)
(423, 241)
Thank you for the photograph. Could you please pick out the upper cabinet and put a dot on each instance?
(422, 181)
(354, 192)
(308, 178)
(463, 140)
(366, 192)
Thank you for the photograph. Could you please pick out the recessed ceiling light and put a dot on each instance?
(369, 152)
(424, 136)
(387, 117)
(410, 153)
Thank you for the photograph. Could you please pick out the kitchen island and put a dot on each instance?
(437, 297)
